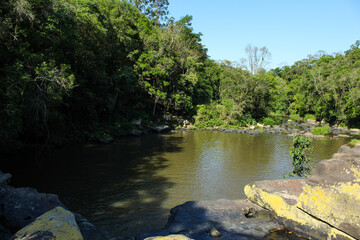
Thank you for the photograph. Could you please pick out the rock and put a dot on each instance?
(161, 128)
(136, 132)
(136, 122)
(170, 237)
(280, 196)
(354, 131)
(215, 233)
(324, 206)
(57, 223)
(227, 216)
(308, 134)
(318, 136)
(311, 121)
(87, 229)
(5, 177)
(20, 206)
(106, 139)
(254, 132)
(335, 183)
(343, 136)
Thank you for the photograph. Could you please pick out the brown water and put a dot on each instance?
(129, 186)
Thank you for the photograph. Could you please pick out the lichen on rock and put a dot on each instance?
(56, 224)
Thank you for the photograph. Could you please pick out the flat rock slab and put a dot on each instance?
(324, 206)
(332, 192)
(231, 218)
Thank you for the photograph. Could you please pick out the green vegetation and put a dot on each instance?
(73, 68)
(310, 116)
(300, 160)
(321, 130)
(354, 142)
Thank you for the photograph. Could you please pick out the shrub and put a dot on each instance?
(353, 142)
(295, 117)
(268, 121)
(321, 130)
(301, 162)
(310, 116)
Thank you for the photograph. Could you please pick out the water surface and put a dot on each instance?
(129, 186)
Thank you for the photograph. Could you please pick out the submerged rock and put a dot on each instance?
(57, 223)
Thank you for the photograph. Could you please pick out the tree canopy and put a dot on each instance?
(74, 67)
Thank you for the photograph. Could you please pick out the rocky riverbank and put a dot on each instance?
(288, 128)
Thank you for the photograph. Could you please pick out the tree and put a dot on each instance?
(256, 60)
(153, 9)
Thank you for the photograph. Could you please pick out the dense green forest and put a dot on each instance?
(73, 68)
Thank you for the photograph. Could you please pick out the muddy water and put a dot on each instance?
(129, 186)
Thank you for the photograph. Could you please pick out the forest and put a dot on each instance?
(80, 68)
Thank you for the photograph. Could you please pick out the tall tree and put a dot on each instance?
(257, 59)
(153, 9)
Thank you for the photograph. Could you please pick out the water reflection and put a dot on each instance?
(128, 187)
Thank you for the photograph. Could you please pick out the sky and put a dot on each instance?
(290, 29)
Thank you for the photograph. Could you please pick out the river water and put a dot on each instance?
(129, 186)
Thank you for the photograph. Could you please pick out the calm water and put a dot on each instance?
(129, 186)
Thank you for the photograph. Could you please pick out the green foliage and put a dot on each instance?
(300, 160)
(74, 66)
(321, 130)
(310, 116)
(268, 121)
(354, 142)
(294, 117)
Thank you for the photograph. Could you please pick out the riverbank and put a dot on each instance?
(289, 128)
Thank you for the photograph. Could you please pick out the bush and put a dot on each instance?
(268, 121)
(321, 130)
(353, 142)
(301, 162)
(310, 116)
(294, 117)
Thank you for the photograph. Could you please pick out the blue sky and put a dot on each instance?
(291, 29)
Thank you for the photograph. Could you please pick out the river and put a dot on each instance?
(129, 186)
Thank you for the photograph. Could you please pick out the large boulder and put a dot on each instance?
(20, 206)
(57, 223)
(324, 206)
(332, 192)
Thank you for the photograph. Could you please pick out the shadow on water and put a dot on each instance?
(127, 187)
(109, 184)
